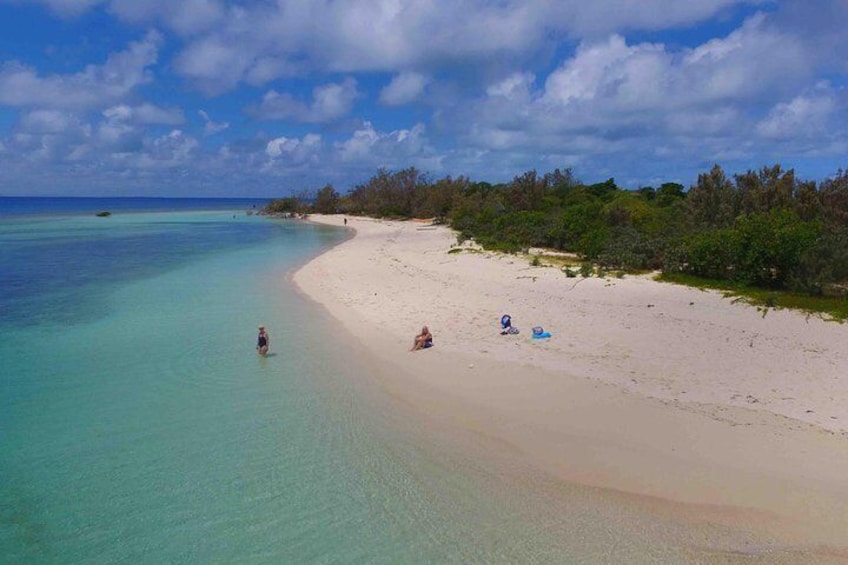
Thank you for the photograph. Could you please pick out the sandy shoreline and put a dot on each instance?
(646, 388)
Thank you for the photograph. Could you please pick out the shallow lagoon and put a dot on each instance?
(138, 424)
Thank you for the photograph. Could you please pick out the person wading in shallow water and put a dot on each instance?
(263, 342)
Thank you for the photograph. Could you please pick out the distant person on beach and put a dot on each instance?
(263, 342)
(345, 220)
(423, 340)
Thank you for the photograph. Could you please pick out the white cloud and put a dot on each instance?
(287, 154)
(210, 127)
(484, 66)
(174, 147)
(145, 114)
(368, 147)
(46, 136)
(167, 151)
(611, 71)
(604, 16)
(612, 90)
(293, 147)
(20, 86)
(214, 64)
(186, 17)
(48, 122)
(405, 87)
(329, 102)
(515, 86)
(808, 115)
(123, 129)
(258, 42)
(119, 136)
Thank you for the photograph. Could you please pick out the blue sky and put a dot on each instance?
(268, 98)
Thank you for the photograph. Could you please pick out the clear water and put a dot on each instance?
(137, 424)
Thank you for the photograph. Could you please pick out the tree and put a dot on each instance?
(288, 206)
(327, 200)
(525, 192)
(670, 192)
(834, 199)
(765, 190)
(713, 201)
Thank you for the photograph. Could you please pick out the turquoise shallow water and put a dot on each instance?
(137, 424)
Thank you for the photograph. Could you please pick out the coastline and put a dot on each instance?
(694, 404)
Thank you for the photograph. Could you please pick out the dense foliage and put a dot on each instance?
(762, 228)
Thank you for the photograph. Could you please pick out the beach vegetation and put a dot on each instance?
(326, 201)
(833, 307)
(761, 229)
(285, 207)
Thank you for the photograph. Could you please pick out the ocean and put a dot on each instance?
(138, 424)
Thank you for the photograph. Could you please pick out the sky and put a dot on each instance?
(271, 98)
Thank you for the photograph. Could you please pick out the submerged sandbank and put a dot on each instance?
(702, 407)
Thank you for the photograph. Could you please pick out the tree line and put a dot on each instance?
(763, 228)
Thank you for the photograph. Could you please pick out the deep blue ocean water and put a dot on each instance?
(138, 425)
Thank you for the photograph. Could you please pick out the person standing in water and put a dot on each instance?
(263, 342)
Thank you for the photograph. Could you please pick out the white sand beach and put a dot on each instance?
(697, 403)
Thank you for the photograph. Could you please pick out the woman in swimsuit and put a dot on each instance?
(263, 341)
(423, 340)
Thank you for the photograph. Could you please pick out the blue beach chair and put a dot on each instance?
(540, 333)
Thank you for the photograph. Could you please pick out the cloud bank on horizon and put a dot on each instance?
(258, 98)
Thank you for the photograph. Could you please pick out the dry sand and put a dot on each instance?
(703, 406)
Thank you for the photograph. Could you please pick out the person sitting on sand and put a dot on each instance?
(263, 342)
(506, 325)
(423, 340)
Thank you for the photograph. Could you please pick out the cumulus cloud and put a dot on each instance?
(500, 101)
(145, 114)
(601, 17)
(58, 136)
(21, 86)
(329, 102)
(163, 152)
(516, 86)
(808, 115)
(229, 42)
(186, 17)
(48, 122)
(371, 148)
(45, 136)
(293, 149)
(214, 64)
(174, 147)
(610, 90)
(404, 88)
